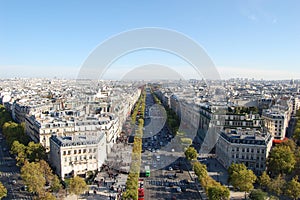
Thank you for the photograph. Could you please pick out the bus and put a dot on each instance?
(147, 171)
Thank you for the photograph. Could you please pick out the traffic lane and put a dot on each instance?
(161, 187)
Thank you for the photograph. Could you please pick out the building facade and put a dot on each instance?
(78, 154)
(244, 146)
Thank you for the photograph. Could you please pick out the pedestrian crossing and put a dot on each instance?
(165, 183)
(7, 174)
(5, 162)
(24, 198)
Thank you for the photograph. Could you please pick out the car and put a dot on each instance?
(158, 157)
(178, 189)
(24, 188)
(170, 169)
(14, 182)
(183, 189)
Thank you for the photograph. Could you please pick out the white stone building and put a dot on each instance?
(78, 154)
(244, 146)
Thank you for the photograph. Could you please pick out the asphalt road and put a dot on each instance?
(10, 174)
(165, 158)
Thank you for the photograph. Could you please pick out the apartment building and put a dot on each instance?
(76, 155)
(244, 146)
(276, 120)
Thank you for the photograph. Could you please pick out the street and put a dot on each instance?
(10, 174)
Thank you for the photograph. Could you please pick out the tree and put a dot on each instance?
(33, 177)
(276, 185)
(35, 152)
(281, 160)
(3, 191)
(236, 167)
(19, 149)
(296, 135)
(241, 178)
(218, 192)
(47, 196)
(293, 189)
(264, 180)
(55, 184)
(290, 143)
(258, 194)
(77, 185)
(191, 153)
(200, 170)
(46, 171)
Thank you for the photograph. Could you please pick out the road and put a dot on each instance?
(10, 174)
(164, 155)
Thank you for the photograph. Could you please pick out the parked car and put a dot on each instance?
(178, 189)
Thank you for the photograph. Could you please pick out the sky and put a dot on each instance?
(244, 38)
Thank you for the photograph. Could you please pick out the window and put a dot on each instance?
(75, 151)
(79, 151)
(64, 153)
(69, 152)
(84, 150)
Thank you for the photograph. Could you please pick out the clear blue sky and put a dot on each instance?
(255, 38)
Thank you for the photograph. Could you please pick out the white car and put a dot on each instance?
(178, 189)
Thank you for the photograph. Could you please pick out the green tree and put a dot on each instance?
(264, 180)
(258, 195)
(241, 178)
(33, 177)
(276, 186)
(296, 135)
(290, 143)
(35, 152)
(55, 184)
(200, 170)
(235, 167)
(77, 185)
(293, 189)
(47, 196)
(281, 159)
(3, 191)
(19, 150)
(218, 192)
(46, 171)
(191, 153)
